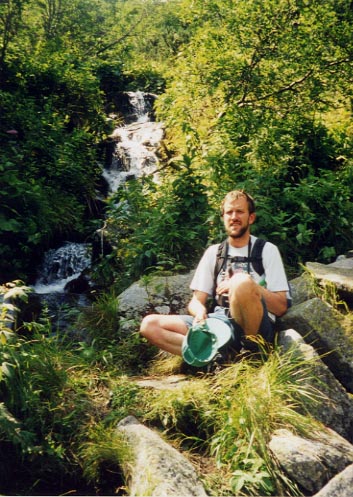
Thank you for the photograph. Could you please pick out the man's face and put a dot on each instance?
(236, 217)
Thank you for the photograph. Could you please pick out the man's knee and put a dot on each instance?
(242, 286)
(148, 325)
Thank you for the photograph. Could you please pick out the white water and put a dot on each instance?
(134, 156)
(139, 104)
(136, 145)
(61, 266)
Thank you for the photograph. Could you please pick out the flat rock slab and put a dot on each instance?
(340, 273)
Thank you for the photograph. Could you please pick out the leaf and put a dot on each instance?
(17, 293)
(8, 369)
(10, 224)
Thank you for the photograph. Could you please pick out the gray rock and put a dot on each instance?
(309, 462)
(158, 294)
(339, 273)
(320, 338)
(158, 469)
(334, 406)
(301, 289)
(320, 325)
(133, 301)
(340, 485)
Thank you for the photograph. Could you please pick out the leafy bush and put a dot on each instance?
(158, 230)
(311, 220)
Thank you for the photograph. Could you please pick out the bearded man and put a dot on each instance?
(248, 302)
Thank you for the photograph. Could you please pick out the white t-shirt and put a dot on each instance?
(274, 277)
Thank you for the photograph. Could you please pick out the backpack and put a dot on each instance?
(255, 257)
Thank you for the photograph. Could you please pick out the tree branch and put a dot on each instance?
(119, 40)
(242, 102)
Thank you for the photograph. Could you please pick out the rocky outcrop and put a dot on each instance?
(333, 406)
(323, 327)
(161, 294)
(321, 465)
(311, 463)
(158, 469)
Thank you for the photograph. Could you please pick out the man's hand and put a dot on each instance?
(199, 319)
(223, 287)
(197, 306)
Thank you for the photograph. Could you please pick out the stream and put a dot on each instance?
(134, 146)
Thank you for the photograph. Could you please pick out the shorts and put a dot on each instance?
(266, 329)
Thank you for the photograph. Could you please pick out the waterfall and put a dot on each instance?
(62, 265)
(135, 145)
(141, 107)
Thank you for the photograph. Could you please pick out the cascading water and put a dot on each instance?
(141, 107)
(136, 144)
(62, 265)
(61, 268)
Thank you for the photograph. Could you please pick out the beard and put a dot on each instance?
(240, 233)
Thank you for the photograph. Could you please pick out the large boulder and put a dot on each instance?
(155, 294)
(323, 327)
(158, 468)
(311, 463)
(332, 405)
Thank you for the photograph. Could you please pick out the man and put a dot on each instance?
(247, 301)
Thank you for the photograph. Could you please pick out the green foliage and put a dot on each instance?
(126, 399)
(47, 405)
(255, 401)
(102, 315)
(187, 411)
(104, 452)
(48, 175)
(105, 343)
(310, 220)
(156, 230)
(12, 295)
(256, 95)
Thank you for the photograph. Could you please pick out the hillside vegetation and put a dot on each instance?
(254, 95)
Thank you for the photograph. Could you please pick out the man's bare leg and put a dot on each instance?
(164, 331)
(245, 303)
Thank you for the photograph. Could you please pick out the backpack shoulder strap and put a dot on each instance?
(222, 253)
(256, 256)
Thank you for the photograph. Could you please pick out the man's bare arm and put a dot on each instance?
(276, 302)
(197, 306)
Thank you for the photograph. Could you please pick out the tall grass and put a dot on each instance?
(61, 401)
(231, 417)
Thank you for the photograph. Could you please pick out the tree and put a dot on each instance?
(10, 21)
(251, 96)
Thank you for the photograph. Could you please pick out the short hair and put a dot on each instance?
(234, 195)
